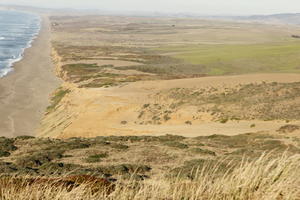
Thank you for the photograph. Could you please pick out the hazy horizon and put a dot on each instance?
(212, 7)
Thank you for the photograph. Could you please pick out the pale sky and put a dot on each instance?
(204, 7)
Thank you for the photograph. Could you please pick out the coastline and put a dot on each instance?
(24, 93)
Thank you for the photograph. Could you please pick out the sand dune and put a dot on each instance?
(100, 111)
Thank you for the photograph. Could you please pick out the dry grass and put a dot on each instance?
(263, 101)
(261, 179)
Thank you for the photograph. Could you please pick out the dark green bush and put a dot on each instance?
(127, 169)
(119, 146)
(203, 151)
(24, 137)
(96, 157)
(7, 144)
(38, 159)
(176, 144)
(4, 154)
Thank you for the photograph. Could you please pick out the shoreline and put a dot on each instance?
(24, 92)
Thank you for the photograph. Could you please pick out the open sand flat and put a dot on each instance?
(24, 93)
(115, 110)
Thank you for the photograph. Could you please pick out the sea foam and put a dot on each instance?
(20, 30)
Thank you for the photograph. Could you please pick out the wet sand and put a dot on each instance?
(24, 93)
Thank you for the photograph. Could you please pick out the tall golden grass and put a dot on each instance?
(265, 178)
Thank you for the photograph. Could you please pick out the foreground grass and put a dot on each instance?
(241, 58)
(165, 167)
(262, 179)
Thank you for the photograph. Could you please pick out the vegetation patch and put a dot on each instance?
(137, 157)
(255, 101)
(227, 59)
(176, 144)
(288, 128)
(119, 146)
(203, 151)
(7, 145)
(96, 157)
(56, 98)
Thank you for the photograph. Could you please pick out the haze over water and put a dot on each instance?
(17, 31)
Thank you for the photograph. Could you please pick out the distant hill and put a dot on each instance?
(283, 18)
(286, 18)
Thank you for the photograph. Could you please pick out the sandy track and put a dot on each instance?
(24, 94)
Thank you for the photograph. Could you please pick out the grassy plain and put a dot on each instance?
(178, 48)
(224, 59)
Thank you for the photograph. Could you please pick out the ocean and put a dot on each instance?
(17, 31)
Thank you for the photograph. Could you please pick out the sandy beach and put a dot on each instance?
(24, 93)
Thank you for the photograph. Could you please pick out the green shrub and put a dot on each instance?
(169, 137)
(176, 145)
(53, 168)
(203, 151)
(119, 146)
(6, 168)
(167, 117)
(96, 158)
(4, 154)
(38, 159)
(25, 137)
(127, 169)
(190, 168)
(224, 120)
(7, 144)
(188, 123)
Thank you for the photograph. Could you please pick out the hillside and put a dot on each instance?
(108, 167)
(285, 18)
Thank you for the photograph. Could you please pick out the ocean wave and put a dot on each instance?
(10, 62)
(17, 44)
(5, 71)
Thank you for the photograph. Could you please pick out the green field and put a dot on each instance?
(240, 58)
